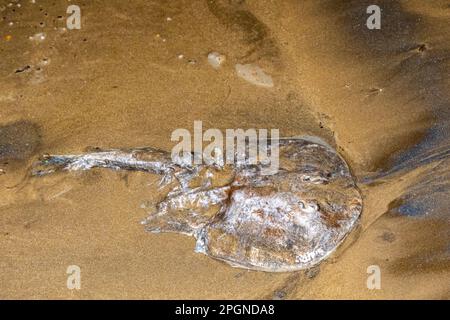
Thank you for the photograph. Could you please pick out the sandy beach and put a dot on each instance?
(138, 70)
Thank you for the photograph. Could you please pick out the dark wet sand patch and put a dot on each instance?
(19, 140)
(254, 33)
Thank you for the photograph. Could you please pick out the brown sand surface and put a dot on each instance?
(376, 95)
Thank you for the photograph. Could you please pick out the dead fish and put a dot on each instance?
(286, 221)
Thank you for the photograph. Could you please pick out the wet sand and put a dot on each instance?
(381, 97)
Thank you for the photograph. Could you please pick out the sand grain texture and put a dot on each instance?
(380, 97)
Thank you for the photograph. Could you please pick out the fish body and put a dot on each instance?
(286, 221)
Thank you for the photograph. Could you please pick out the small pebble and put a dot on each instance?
(38, 37)
(158, 36)
(254, 74)
(216, 59)
(44, 62)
